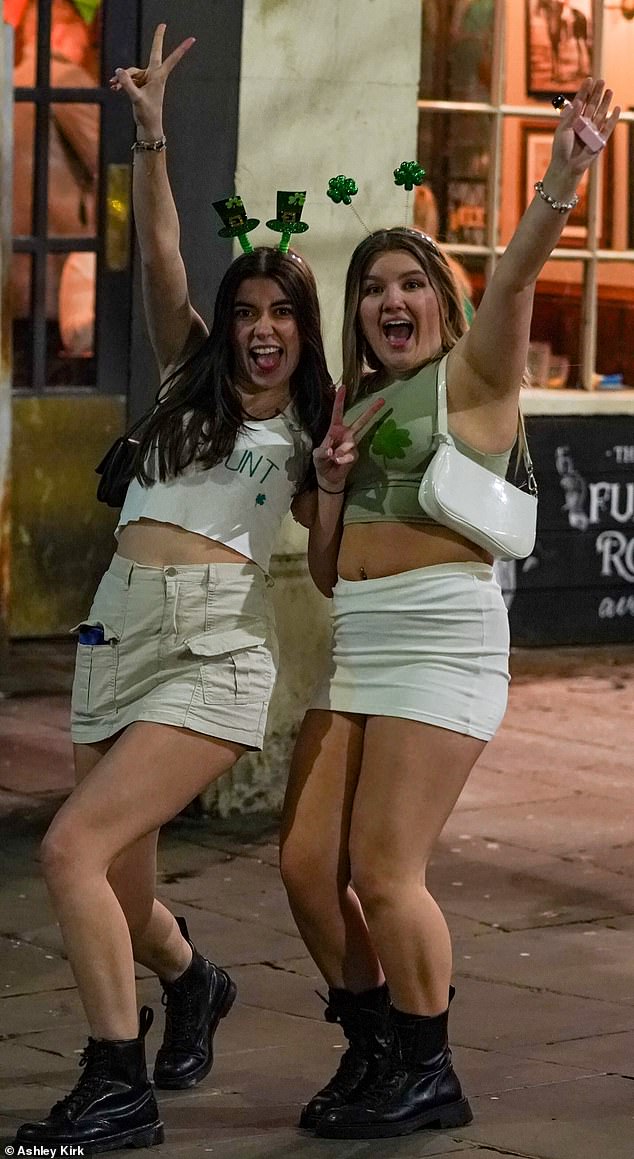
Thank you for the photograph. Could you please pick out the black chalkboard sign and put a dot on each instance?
(578, 586)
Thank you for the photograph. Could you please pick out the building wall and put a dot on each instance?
(201, 126)
(326, 88)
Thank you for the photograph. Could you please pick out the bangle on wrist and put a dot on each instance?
(329, 492)
(559, 206)
(156, 146)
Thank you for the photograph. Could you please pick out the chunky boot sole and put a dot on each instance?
(438, 1118)
(164, 1083)
(140, 1137)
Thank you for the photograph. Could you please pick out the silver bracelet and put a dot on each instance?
(150, 146)
(560, 206)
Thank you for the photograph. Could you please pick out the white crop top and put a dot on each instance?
(240, 502)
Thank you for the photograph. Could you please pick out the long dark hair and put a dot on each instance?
(201, 411)
(358, 355)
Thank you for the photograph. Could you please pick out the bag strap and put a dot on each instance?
(441, 432)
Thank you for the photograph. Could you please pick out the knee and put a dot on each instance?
(65, 854)
(379, 881)
(307, 873)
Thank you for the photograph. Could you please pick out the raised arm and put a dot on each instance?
(490, 359)
(174, 327)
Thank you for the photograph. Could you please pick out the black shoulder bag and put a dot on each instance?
(117, 466)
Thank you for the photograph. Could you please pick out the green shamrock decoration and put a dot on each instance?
(87, 9)
(389, 441)
(342, 189)
(409, 174)
(297, 199)
(260, 500)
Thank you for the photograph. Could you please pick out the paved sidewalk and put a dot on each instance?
(535, 871)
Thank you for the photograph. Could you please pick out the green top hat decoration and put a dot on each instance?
(289, 212)
(234, 218)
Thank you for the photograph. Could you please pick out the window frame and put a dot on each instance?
(590, 255)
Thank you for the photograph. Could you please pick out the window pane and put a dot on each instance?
(615, 350)
(70, 334)
(554, 355)
(73, 168)
(20, 290)
(457, 44)
(454, 148)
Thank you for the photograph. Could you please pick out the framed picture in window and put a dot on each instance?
(537, 139)
(558, 46)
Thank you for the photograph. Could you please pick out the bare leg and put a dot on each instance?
(314, 857)
(411, 777)
(129, 794)
(157, 942)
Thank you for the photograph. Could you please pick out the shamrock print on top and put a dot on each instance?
(390, 440)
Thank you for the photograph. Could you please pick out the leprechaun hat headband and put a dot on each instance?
(235, 222)
(289, 211)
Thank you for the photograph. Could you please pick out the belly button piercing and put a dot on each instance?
(363, 573)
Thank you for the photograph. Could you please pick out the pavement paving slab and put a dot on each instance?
(534, 871)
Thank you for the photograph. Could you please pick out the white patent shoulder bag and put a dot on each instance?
(473, 501)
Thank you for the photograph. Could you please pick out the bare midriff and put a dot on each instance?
(155, 544)
(372, 550)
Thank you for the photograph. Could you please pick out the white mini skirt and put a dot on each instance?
(192, 645)
(430, 645)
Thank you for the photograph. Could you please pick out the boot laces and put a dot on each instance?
(347, 1077)
(387, 1082)
(180, 1017)
(94, 1060)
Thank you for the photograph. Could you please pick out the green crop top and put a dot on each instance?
(396, 449)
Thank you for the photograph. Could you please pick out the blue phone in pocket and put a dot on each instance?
(91, 634)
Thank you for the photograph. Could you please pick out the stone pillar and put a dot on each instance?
(326, 88)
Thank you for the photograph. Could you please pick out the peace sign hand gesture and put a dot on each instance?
(146, 86)
(335, 457)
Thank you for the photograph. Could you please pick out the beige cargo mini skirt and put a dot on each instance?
(192, 646)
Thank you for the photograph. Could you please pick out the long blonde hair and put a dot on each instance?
(358, 355)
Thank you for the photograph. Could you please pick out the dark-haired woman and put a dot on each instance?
(177, 656)
(419, 676)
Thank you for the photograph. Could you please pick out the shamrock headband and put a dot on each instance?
(235, 222)
(290, 203)
(342, 189)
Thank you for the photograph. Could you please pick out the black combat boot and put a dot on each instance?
(111, 1106)
(194, 1005)
(365, 1023)
(418, 1089)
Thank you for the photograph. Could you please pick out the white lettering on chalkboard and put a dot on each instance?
(617, 555)
(623, 454)
(613, 499)
(610, 609)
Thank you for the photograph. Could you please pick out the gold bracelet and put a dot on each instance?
(150, 146)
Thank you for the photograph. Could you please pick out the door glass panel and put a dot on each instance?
(75, 43)
(70, 331)
(20, 298)
(23, 133)
(73, 168)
